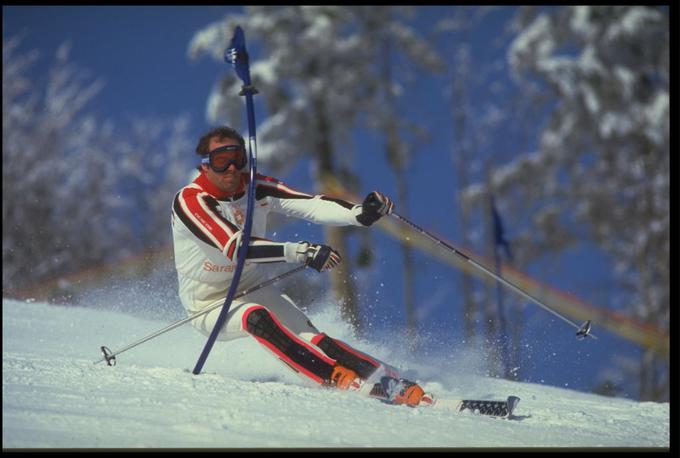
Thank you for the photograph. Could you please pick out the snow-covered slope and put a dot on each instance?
(54, 396)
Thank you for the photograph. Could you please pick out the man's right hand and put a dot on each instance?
(318, 257)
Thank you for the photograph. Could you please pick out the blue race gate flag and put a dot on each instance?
(237, 55)
(499, 235)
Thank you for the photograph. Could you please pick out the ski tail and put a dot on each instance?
(492, 408)
(503, 409)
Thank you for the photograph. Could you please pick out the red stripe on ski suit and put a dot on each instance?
(230, 252)
(295, 339)
(208, 222)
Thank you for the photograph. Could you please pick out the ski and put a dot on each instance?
(387, 389)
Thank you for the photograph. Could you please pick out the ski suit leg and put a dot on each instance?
(299, 354)
(277, 324)
(271, 298)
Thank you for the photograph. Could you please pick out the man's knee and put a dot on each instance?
(259, 321)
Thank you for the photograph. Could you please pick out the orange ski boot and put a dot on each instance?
(344, 378)
(411, 394)
(401, 392)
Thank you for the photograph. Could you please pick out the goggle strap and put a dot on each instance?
(219, 149)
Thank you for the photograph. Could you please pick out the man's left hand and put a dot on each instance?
(375, 206)
(318, 257)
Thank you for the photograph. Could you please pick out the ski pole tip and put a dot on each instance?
(584, 331)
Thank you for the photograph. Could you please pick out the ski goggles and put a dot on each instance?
(221, 158)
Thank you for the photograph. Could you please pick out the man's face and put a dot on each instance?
(229, 180)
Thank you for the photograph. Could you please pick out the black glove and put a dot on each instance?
(375, 206)
(318, 257)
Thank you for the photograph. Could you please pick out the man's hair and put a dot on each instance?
(218, 133)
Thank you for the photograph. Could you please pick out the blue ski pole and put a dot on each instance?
(237, 55)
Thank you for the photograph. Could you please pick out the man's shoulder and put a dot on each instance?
(268, 186)
(266, 180)
(199, 184)
(191, 189)
(193, 186)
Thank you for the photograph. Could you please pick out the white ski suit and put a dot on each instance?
(206, 227)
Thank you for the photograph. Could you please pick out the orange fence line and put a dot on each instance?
(128, 266)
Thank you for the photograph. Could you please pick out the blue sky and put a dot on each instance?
(140, 53)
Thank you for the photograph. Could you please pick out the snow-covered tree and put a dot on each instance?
(55, 181)
(400, 55)
(77, 192)
(487, 117)
(319, 73)
(601, 170)
(154, 157)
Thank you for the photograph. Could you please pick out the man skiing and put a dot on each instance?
(207, 219)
